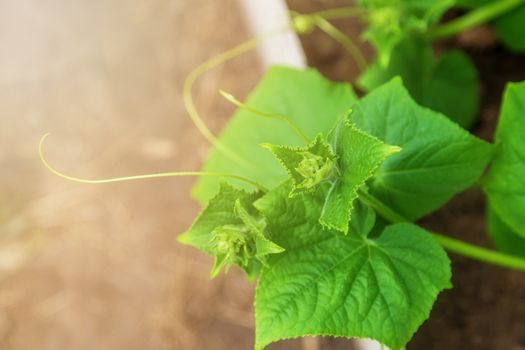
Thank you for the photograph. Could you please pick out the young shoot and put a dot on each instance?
(314, 169)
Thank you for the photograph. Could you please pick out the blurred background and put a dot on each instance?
(97, 266)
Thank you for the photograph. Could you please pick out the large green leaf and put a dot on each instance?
(448, 84)
(390, 21)
(313, 103)
(505, 184)
(509, 26)
(438, 158)
(503, 236)
(345, 286)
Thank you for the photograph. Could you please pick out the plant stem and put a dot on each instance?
(473, 18)
(381, 208)
(451, 244)
(479, 253)
(341, 38)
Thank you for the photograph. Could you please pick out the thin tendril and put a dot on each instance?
(139, 177)
(278, 116)
(342, 39)
(306, 23)
(203, 68)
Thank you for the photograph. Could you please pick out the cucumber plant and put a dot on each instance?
(328, 233)
(314, 192)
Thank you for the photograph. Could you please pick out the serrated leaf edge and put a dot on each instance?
(389, 151)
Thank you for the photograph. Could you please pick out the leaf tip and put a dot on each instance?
(267, 146)
(390, 150)
(183, 238)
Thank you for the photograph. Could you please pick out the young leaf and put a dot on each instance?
(345, 286)
(311, 101)
(505, 184)
(438, 158)
(390, 21)
(359, 155)
(433, 82)
(231, 230)
(307, 166)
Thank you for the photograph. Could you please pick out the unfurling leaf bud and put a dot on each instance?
(314, 169)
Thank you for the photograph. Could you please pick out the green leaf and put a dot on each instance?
(434, 83)
(312, 102)
(359, 155)
(509, 26)
(505, 183)
(363, 219)
(390, 21)
(232, 230)
(307, 166)
(256, 226)
(438, 158)
(503, 236)
(346, 286)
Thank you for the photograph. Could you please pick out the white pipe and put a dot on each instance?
(368, 344)
(265, 16)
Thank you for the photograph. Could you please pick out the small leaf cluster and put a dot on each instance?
(433, 81)
(232, 231)
(391, 21)
(400, 31)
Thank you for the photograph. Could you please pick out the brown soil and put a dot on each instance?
(486, 308)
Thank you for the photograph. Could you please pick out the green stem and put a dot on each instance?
(451, 244)
(473, 18)
(342, 39)
(479, 253)
(381, 208)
